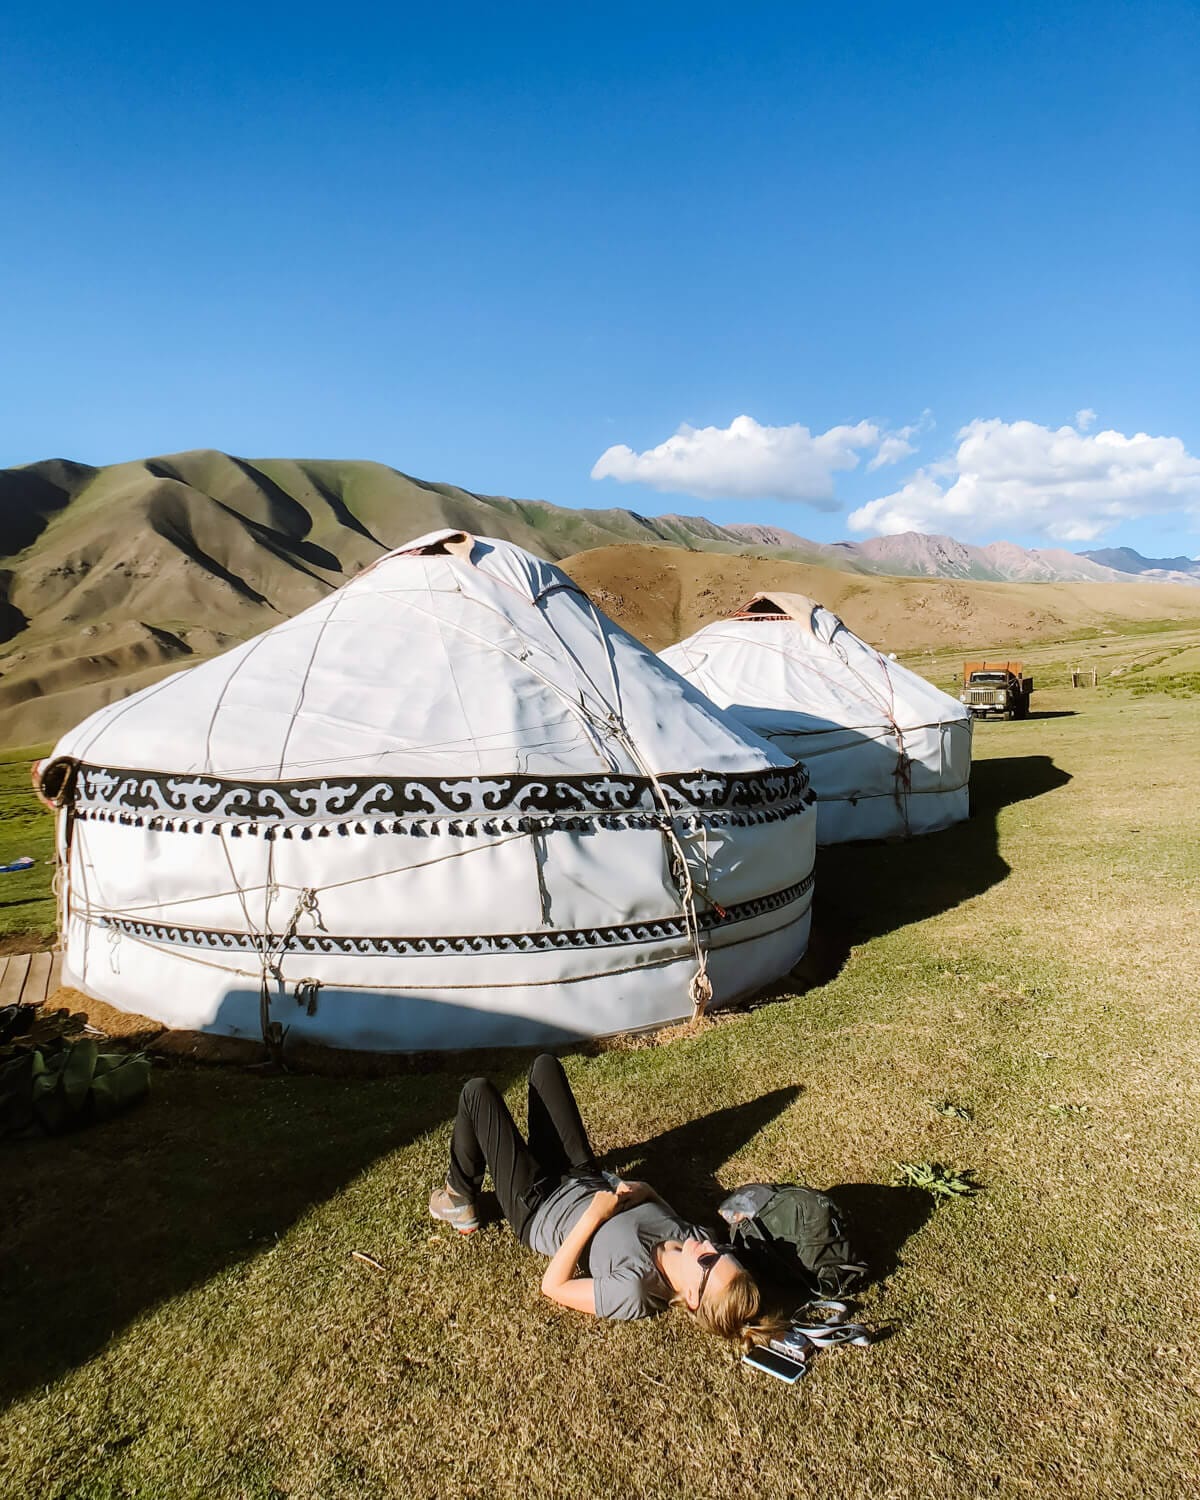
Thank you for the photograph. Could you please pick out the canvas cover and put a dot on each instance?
(888, 754)
(451, 805)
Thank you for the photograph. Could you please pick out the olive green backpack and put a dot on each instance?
(793, 1235)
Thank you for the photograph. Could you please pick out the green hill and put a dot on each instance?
(111, 577)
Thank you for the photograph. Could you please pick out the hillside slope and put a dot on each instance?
(662, 595)
(112, 577)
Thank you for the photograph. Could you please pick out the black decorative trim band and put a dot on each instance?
(490, 803)
(653, 930)
(452, 827)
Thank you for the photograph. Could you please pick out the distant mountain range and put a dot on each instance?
(1167, 569)
(913, 554)
(111, 576)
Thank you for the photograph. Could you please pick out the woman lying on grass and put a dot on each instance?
(641, 1256)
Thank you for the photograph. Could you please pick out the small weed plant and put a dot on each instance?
(933, 1177)
(950, 1110)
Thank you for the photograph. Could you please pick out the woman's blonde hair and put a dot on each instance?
(735, 1313)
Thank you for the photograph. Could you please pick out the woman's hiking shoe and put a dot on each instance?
(459, 1213)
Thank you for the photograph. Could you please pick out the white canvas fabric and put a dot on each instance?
(888, 754)
(451, 805)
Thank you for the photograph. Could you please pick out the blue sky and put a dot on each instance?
(489, 246)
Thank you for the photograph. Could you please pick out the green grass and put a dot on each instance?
(182, 1314)
(27, 908)
(1163, 653)
(1172, 684)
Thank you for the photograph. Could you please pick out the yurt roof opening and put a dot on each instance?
(888, 754)
(452, 805)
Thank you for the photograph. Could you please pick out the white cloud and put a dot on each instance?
(1085, 417)
(892, 449)
(896, 445)
(1061, 483)
(746, 461)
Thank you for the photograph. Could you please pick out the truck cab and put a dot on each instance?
(995, 689)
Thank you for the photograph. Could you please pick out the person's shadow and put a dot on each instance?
(682, 1163)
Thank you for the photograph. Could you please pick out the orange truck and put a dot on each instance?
(995, 687)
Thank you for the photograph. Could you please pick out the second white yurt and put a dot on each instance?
(888, 754)
(451, 805)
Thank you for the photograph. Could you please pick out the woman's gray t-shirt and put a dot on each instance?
(627, 1282)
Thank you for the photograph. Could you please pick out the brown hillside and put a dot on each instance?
(661, 594)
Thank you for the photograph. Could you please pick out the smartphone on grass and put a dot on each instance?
(779, 1365)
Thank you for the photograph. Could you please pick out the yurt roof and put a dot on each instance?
(787, 654)
(450, 656)
(797, 607)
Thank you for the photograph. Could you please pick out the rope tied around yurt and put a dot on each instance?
(902, 773)
(883, 700)
(54, 783)
(272, 968)
(700, 989)
(306, 993)
(903, 779)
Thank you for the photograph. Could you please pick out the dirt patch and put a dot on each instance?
(25, 942)
(661, 595)
(128, 1030)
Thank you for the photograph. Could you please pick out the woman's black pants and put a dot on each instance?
(523, 1174)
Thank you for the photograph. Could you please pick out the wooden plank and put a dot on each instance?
(13, 981)
(55, 980)
(37, 979)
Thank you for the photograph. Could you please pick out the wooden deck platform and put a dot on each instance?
(27, 978)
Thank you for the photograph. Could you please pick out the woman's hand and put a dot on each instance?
(604, 1204)
(630, 1194)
(626, 1195)
(560, 1283)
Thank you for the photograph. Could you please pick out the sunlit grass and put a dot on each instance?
(26, 828)
(183, 1315)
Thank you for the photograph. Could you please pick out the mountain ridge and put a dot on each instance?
(112, 575)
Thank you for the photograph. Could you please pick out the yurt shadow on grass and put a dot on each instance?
(866, 890)
(102, 1227)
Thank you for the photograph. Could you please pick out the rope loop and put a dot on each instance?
(306, 993)
(700, 991)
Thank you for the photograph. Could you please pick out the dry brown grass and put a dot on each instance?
(184, 1316)
(662, 594)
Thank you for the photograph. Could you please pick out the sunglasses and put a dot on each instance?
(706, 1261)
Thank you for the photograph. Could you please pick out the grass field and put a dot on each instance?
(183, 1316)
(1151, 656)
(27, 910)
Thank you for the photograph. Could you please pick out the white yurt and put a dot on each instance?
(452, 805)
(888, 754)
